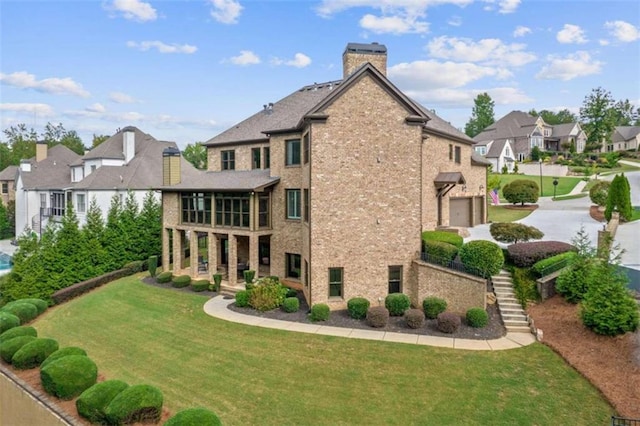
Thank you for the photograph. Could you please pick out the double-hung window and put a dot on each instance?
(458, 155)
(81, 204)
(267, 158)
(255, 158)
(293, 204)
(292, 152)
(228, 160)
(395, 279)
(336, 282)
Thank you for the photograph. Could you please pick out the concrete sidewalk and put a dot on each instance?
(217, 307)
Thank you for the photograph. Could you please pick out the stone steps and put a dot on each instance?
(513, 316)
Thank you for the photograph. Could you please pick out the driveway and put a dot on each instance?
(561, 221)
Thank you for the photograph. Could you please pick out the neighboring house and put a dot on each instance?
(330, 187)
(624, 138)
(8, 184)
(525, 131)
(130, 160)
(499, 153)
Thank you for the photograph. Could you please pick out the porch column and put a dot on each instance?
(233, 259)
(213, 254)
(177, 251)
(193, 248)
(254, 258)
(166, 249)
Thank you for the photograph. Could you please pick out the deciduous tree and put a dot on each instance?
(196, 154)
(481, 115)
(598, 118)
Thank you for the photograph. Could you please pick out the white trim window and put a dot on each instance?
(294, 207)
(81, 203)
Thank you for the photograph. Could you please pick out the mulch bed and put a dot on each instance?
(596, 214)
(527, 207)
(612, 364)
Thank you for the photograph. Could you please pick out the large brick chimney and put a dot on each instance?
(41, 151)
(170, 166)
(357, 54)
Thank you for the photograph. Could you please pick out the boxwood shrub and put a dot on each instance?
(199, 285)
(194, 417)
(23, 310)
(291, 304)
(414, 318)
(443, 236)
(40, 304)
(69, 376)
(153, 265)
(22, 330)
(525, 255)
(181, 281)
(553, 263)
(483, 257)
(440, 252)
(432, 306)
(9, 347)
(8, 321)
(477, 317)
(319, 312)
(292, 292)
(448, 322)
(62, 352)
(137, 403)
(93, 402)
(164, 277)
(33, 353)
(378, 316)
(358, 307)
(242, 299)
(397, 303)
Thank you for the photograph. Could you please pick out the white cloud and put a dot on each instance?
(393, 24)
(455, 21)
(97, 107)
(521, 31)
(246, 57)
(572, 66)
(300, 60)
(571, 34)
(623, 31)
(430, 75)
(461, 98)
(603, 42)
(134, 10)
(162, 47)
(38, 109)
(489, 51)
(508, 6)
(226, 11)
(56, 86)
(121, 98)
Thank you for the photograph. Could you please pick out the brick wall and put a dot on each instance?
(243, 156)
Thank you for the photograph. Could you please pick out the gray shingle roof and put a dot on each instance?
(9, 173)
(516, 124)
(112, 147)
(229, 180)
(563, 130)
(52, 172)
(625, 133)
(496, 149)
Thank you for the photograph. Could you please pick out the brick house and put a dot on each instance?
(331, 186)
(8, 184)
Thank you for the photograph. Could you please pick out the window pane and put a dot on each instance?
(293, 152)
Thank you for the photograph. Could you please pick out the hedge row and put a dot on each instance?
(443, 236)
(76, 290)
(525, 255)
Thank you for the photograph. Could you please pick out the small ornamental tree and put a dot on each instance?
(521, 191)
(482, 256)
(599, 193)
(535, 153)
(514, 232)
(619, 198)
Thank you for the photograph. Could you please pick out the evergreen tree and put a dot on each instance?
(150, 220)
(481, 115)
(112, 238)
(131, 229)
(92, 233)
(5, 228)
(619, 198)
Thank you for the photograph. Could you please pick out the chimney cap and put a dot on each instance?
(41, 142)
(368, 48)
(129, 129)
(171, 152)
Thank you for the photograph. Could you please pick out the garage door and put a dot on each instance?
(460, 212)
(477, 212)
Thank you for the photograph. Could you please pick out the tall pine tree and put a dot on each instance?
(481, 115)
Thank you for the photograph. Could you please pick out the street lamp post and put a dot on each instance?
(540, 162)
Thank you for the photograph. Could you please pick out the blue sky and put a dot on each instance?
(187, 70)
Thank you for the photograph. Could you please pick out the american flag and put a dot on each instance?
(494, 197)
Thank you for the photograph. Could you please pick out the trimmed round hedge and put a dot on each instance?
(448, 322)
(93, 402)
(164, 277)
(33, 353)
(291, 292)
(69, 350)
(477, 317)
(414, 318)
(40, 304)
(194, 417)
(200, 285)
(242, 299)
(9, 347)
(358, 307)
(319, 312)
(397, 303)
(378, 316)
(138, 403)
(181, 281)
(69, 376)
(23, 310)
(8, 321)
(22, 330)
(482, 256)
(291, 304)
(432, 306)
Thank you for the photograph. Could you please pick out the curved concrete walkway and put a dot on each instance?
(217, 307)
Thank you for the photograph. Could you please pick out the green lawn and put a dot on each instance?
(502, 214)
(252, 375)
(565, 184)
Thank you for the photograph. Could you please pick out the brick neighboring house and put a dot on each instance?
(8, 184)
(624, 138)
(130, 160)
(524, 131)
(331, 186)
